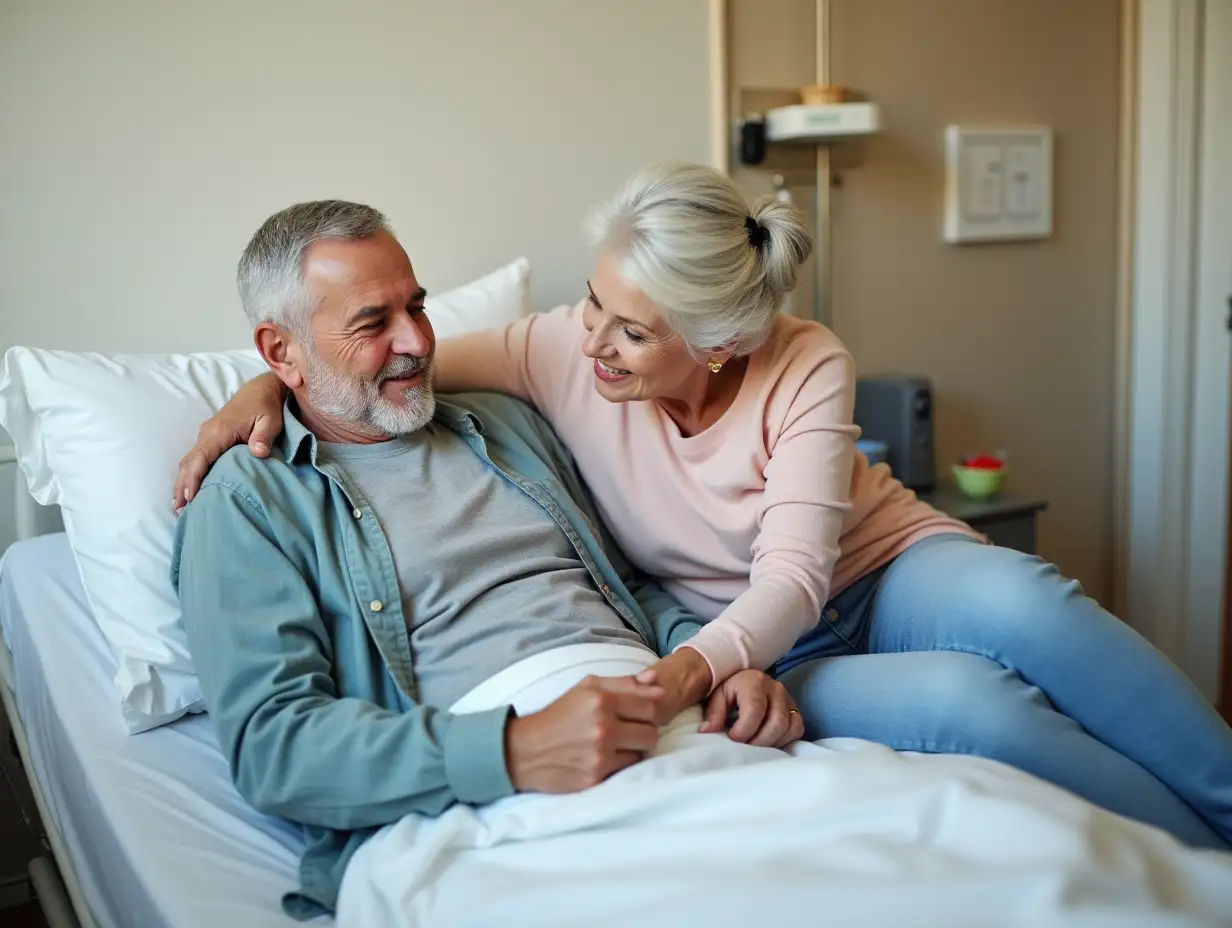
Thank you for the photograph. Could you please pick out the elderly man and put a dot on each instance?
(390, 554)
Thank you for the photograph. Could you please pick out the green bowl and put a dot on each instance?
(978, 482)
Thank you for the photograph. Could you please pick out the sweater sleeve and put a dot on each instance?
(806, 496)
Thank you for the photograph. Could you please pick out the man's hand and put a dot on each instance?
(602, 725)
(766, 713)
(684, 675)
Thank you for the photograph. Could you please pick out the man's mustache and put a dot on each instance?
(402, 366)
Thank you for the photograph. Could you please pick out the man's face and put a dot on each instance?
(367, 357)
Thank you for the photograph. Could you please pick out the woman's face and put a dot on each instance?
(636, 356)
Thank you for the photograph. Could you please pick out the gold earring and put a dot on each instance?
(715, 365)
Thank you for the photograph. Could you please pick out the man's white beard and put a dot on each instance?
(358, 401)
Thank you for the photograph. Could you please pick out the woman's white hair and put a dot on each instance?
(716, 268)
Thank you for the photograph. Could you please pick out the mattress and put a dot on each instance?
(154, 829)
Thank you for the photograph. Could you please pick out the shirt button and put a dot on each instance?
(375, 605)
(606, 589)
(356, 513)
(832, 616)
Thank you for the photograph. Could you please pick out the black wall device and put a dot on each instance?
(753, 141)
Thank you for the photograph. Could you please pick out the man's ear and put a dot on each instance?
(278, 349)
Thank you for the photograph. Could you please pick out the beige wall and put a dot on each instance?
(146, 140)
(143, 141)
(1018, 338)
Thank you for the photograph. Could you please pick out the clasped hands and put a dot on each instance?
(605, 724)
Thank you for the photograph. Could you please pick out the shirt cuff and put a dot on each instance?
(682, 633)
(475, 756)
(720, 653)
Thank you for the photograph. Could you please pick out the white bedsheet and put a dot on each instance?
(714, 833)
(157, 834)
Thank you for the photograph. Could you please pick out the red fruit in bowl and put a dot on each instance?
(983, 462)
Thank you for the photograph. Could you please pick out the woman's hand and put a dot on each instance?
(766, 714)
(685, 678)
(253, 415)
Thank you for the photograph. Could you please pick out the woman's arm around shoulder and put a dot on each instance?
(527, 359)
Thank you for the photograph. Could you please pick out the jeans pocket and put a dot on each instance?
(849, 626)
(844, 626)
(836, 635)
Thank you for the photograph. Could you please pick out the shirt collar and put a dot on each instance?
(296, 439)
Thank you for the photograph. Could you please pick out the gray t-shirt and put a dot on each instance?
(487, 577)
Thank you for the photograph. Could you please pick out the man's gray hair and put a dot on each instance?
(270, 275)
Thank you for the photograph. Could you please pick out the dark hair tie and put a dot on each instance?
(757, 232)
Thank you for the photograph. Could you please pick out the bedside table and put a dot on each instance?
(1007, 519)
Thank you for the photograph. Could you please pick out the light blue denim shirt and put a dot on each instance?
(294, 619)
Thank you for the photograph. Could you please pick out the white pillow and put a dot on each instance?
(99, 436)
(489, 302)
(102, 436)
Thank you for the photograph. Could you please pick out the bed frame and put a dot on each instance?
(55, 884)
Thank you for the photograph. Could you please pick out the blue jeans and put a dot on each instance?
(956, 647)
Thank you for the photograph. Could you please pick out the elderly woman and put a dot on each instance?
(716, 436)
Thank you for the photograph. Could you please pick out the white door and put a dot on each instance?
(1175, 560)
(1212, 357)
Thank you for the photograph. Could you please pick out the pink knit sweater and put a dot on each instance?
(743, 523)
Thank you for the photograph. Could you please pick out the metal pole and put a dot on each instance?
(821, 237)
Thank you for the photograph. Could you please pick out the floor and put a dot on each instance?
(18, 838)
(24, 916)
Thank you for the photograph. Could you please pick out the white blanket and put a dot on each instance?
(713, 833)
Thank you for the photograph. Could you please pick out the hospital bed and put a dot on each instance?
(147, 831)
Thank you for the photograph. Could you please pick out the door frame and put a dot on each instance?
(1174, 350)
